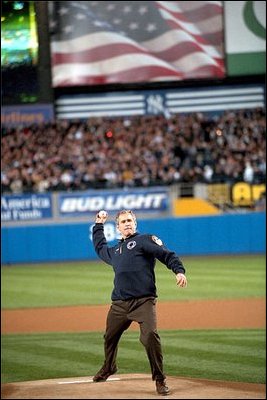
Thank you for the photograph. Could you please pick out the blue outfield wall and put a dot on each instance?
(223, 234)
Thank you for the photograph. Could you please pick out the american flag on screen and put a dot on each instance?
(103, 42)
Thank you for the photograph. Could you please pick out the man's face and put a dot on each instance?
(126, 225)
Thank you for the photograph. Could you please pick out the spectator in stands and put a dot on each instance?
(138, 151)
(248, 174)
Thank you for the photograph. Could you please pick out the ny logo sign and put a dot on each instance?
(155, 104)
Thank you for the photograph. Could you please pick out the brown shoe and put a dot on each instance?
(162, 388)
(102, 375)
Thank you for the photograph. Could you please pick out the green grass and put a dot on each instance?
(233, 355)
(92, 282)
(229, 355)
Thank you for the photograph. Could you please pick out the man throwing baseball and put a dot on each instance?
(134, 294)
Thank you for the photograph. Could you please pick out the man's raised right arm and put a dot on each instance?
(99, 240)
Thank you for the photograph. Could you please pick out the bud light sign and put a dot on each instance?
(87, 203)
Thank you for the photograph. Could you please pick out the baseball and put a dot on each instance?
(102, 214)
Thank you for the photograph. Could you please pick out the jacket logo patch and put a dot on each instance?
(157, 240)
(131, 245)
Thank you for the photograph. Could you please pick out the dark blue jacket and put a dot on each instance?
(133, 261)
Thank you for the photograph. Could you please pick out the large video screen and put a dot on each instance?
(109, 42)
(19, 44)
(19, 52)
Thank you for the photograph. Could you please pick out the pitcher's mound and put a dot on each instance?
(130, 386)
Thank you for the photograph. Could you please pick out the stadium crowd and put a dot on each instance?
(135, 151)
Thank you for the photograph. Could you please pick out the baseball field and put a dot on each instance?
(53, 320)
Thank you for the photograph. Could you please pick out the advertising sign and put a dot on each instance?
(88, 203)
(245, 37)
(25, 115)
(26, 207)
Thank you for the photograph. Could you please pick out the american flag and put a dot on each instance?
(103, 42)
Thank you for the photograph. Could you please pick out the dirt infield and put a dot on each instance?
(241, 313)
(134, 386)
(218, 314)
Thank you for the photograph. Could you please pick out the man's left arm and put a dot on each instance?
(153, 245)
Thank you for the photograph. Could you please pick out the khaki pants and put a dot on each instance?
(120, 316)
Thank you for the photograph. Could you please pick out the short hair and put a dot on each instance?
(125, 212)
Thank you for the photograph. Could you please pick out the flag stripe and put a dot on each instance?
(101, 53)
(158, 46)
(201, 14)
(142, 74)
(192, 30)
(149, 63)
